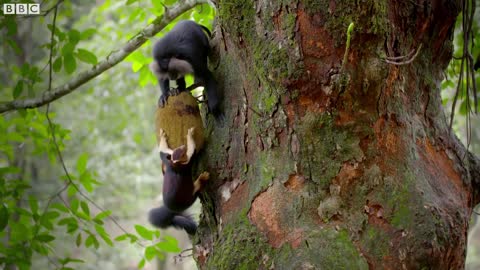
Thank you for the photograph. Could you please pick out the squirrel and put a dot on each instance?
(179, 191)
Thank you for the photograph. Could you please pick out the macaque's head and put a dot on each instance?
(170, 59)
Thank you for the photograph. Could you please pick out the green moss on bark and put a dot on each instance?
(376, 242)
(325, 249)
(243, 240)
(326, 147)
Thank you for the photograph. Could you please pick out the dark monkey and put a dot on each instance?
(179, 191)
(182, 51)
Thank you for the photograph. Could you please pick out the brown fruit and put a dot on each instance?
(179, 114)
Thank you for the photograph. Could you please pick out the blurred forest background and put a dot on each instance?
(92, 214)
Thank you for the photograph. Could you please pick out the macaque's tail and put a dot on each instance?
(162, 217)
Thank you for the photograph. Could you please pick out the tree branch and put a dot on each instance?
(113, 59)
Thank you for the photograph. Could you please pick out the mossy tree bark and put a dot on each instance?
(324, 165)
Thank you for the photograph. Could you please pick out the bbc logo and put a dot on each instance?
(21, 9)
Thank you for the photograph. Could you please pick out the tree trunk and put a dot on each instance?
(328, 165)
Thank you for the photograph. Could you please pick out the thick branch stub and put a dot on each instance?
(113, 59)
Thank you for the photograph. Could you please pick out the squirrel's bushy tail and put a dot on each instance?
(162, 217)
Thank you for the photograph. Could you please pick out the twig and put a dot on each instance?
(181, 255)
(391, 60)
(401, 56)
(138, 40)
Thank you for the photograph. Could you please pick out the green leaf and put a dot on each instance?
(129, 2)
(33, 202)
(103, 215)
(150, 253)
(133, 238)
(145, 76)
(11, 25)
(141, 264)
(74, 36)
(15, 137)
(71, 191)
(139, 57)
(70, 63)
(463, 110)
(78, 241)
(82, 163)
(74, 204)
(101, 231)
(88, 33)
(17, 91)
(72, 228)
(86, 56)
(83, 216)
(3, 217)
(122, 237)
(9, 170)
(144, 232)
(136, 66)
(45, 238)
(90, 241)
(47, 218)
(72, 260)
(168, 246)
(58, 32)
(87, 180)
(68, 49)
(67, 221)
(85, 208)
(61, 207)
(57, 64)
(40, 248)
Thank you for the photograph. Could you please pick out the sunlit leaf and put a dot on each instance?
(150, 253)
(136, 66)
(82, 163)
(141, 264)
(144, 232)
(103, 234)
(169, 245)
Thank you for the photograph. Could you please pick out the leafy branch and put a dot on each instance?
(111, 60)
